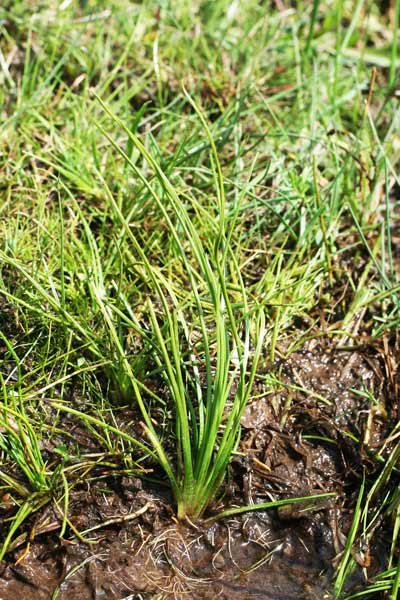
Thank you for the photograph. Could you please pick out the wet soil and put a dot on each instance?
(313, 433)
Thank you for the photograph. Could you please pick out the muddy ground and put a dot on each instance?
(297, 440)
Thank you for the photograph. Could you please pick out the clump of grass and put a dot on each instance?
(228, 337)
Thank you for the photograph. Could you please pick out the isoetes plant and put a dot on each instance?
(206, 347)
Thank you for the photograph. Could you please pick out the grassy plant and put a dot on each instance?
(207, 421)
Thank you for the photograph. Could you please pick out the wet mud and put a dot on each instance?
(310, 430)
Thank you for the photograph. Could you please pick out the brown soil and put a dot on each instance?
(295, 442)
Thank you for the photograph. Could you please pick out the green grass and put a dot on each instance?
(189, 192)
